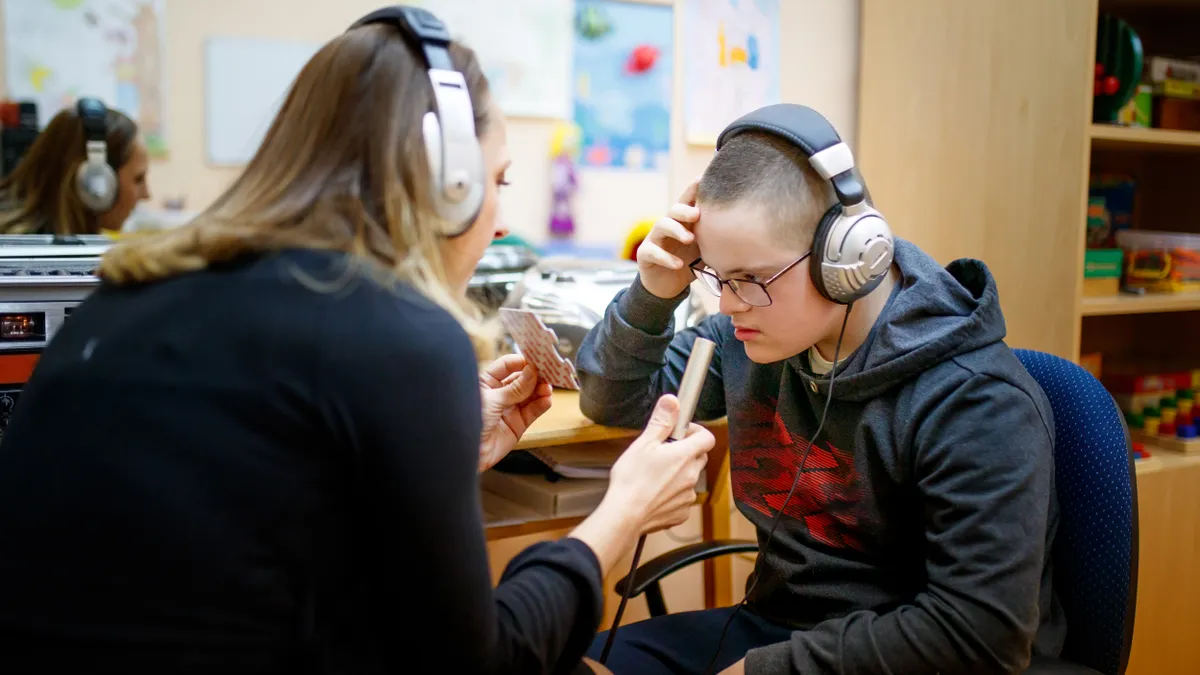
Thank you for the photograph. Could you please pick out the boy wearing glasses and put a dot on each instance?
(918, 537)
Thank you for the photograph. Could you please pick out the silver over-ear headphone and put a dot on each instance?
(455, 158)
(95, 181)
(853, 246)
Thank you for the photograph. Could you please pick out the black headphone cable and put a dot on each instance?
(690, 385)
(795, 481)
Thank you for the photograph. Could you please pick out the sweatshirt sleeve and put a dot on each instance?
(405, 397)
(983, 467)
(632, 356)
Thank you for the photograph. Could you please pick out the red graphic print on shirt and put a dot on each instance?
(763, 464)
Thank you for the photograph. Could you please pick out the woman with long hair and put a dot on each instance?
(44, 194)
(255, 448)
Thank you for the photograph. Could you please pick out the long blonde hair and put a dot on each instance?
(39, 196)
(342, 167)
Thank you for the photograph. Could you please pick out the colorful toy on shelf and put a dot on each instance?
(1118, 67)
(635, 238)
(1138, 110)
(1102, 268)
(564, 183)
(1160, 409)
(1167, 410)
(1185, 402)
(1152, 421)
(1161, 262)
(1174, 92)
(1110, 211)
(1111, 198)
(1139, 393)
(1105, 85)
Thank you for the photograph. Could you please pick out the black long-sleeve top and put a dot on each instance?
(268, 466)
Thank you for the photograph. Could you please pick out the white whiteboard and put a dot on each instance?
(245, 82)
(524, 46)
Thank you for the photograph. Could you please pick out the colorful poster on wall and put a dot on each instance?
(624, 71)
(732, 64)
(56, 51)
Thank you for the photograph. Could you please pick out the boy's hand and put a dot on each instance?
(664, 256)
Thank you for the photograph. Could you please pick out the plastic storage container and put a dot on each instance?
(1162, 262)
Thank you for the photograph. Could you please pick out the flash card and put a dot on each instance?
(537, 344)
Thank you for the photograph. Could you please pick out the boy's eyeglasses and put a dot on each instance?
(753, 293)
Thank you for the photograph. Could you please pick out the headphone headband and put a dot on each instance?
(422, 30)
(455, 158)
(93, 115)
(853, 248)
(808, 130)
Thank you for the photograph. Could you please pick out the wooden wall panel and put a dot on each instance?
(973, 140)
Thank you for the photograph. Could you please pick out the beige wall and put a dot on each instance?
(609, 202)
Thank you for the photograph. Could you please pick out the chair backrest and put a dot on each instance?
(1096, 550)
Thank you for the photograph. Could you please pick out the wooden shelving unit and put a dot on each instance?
(1113, 137)
(976, 138)
(1128, 303)
(1152, 331)
(1162, 162)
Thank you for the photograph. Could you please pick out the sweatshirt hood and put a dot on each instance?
(934, 314)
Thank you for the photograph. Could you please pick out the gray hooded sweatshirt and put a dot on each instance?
(919, 538)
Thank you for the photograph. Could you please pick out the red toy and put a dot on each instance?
(641, 59)
(1102, 85)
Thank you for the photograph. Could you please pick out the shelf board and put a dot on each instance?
(1150, 303)
(1115, 137)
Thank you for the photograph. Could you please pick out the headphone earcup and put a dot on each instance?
(816, 268)
(96, 185)
(456, 216)
(855, 254)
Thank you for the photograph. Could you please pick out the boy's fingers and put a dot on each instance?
(652, 253)
(684, 213)
(689, 193)
(670, 226)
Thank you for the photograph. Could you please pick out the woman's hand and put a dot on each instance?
(652, 486)
(655, 477)
(513, 397)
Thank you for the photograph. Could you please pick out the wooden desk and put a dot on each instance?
(564, 424)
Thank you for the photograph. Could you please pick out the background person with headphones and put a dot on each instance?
(282, 475)
(888, 447)
(84, 174)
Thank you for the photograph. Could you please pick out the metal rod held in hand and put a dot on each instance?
(689, 395)
(691, 384)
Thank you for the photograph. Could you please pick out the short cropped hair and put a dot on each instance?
(760, 169)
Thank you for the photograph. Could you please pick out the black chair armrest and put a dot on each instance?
(651, 572)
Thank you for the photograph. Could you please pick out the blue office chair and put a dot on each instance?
(1096, 550)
